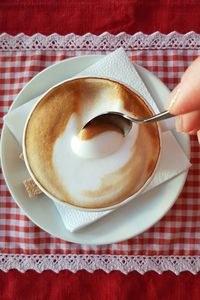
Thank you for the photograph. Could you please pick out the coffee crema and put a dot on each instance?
(73, 165)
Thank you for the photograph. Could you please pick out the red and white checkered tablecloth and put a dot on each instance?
(176, 234)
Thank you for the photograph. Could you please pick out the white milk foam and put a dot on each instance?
(78, 173)
(100, 146)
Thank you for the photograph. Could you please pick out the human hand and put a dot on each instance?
(184, 100)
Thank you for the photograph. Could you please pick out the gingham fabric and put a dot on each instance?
(178, 233)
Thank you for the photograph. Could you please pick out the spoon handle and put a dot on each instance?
(161, 116)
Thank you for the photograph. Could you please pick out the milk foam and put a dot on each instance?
(100, 146)
(79, 174)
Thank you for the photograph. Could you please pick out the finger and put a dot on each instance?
(186, 96)
(197, 133)
(188, 122)
(193, 132)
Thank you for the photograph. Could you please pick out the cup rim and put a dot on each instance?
(87, 209)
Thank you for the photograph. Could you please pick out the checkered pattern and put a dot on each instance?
(178, 233)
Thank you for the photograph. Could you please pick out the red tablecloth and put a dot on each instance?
(98, 286)
(96, 17)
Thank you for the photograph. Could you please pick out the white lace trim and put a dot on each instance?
(105, 41)
(107, 263)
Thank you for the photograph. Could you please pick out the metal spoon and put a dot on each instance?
(125, 122)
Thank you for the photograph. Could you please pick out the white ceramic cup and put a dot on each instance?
(125, 201)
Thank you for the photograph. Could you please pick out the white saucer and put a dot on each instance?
(124, 223)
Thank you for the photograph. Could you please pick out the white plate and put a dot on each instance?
(122, 224)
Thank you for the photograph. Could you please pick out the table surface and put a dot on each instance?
(98, 16)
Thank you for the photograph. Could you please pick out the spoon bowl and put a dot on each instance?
(124, 122)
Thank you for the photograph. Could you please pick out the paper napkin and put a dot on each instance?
(117, 66)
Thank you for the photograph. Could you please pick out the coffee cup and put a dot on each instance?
(99, 168)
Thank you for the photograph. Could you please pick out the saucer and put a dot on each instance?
(124, 223)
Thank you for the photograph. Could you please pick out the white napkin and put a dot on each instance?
(117, 66)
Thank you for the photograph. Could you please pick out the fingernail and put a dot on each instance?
(173, 98)
(179, 123)
(198, 136)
